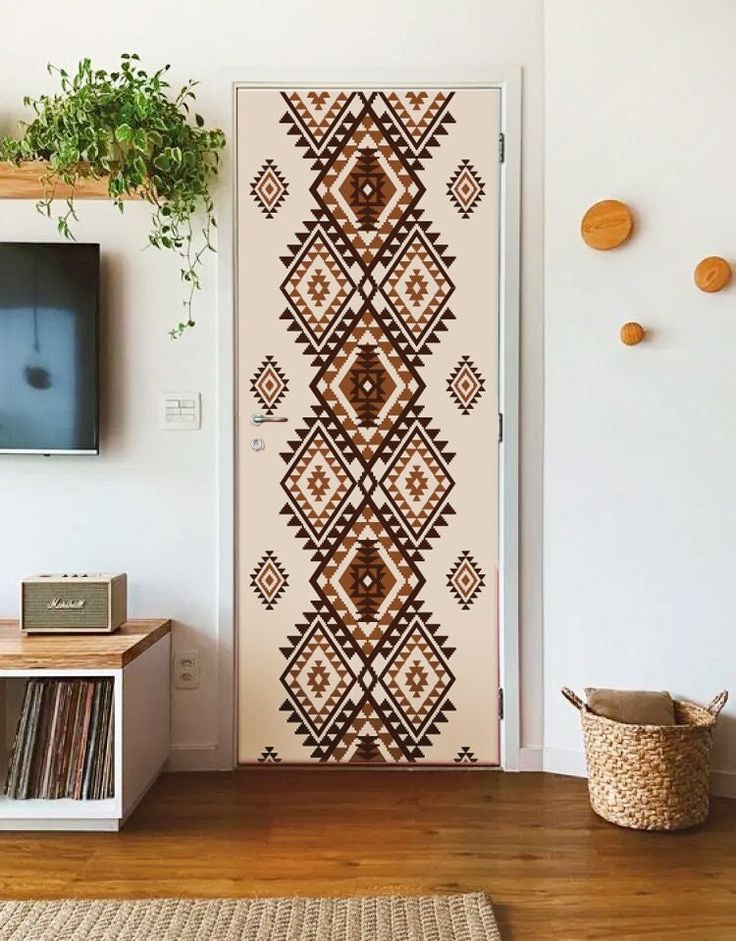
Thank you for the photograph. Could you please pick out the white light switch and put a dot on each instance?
(180, 411)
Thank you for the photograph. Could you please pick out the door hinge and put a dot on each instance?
(500, 427)
(500, 704)
(501, 148)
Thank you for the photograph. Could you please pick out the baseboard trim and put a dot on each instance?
(549, 760)
(559, 761)
(531, 758)
(192, 758)
(572, 764)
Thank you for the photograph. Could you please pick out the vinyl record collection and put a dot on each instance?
(64, 741)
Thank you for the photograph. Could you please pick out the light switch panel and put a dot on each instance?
(180, 411)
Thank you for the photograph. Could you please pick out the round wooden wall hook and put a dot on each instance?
(712, 274)
(632, 333)
(607, 225)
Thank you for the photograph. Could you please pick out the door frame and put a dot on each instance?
(508, 83)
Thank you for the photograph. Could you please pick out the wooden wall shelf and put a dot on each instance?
(76, 651)
(24, 182)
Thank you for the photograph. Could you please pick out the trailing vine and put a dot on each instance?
(127, 127)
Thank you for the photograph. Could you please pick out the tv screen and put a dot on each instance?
(49, 320)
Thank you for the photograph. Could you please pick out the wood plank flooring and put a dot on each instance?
(552, 868)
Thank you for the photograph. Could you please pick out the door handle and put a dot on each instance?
(261, 419)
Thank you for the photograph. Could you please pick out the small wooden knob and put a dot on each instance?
(632, 333)
(712, 274)
(607, 225)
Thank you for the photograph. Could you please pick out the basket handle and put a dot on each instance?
(572, 698)
(718, 703)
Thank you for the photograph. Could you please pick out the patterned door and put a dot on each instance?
(367, 526)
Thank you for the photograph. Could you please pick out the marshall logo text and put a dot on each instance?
(63, 604)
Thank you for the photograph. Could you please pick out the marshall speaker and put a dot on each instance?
(73, 604)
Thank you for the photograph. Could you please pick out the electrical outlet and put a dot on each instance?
(186, 669)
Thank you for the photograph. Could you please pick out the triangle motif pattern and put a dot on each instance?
(466, 580)
(465, 189)
(269, 756)
(465, 756)
(269, 385)
(269, 580)
(367, 675)
(466, 385)
(269, 189)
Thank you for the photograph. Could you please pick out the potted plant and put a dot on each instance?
(126, 127)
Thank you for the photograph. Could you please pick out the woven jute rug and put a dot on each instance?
(388, 918)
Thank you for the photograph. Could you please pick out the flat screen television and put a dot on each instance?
(49, 348)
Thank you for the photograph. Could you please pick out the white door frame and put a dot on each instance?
(508, 82)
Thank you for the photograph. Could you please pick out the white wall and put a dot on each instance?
(640, 505)
(148, 505)
(640, 443)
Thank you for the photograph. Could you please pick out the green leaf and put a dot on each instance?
(128, 127)
(123, 133)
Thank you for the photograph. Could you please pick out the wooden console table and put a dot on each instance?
(138, 658)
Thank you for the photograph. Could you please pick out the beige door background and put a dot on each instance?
(367, 526)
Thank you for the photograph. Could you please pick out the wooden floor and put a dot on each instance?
(552, 868)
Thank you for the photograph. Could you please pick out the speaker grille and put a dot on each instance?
(40, 612)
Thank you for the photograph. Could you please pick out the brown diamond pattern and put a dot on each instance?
(367, 187)
(416, 677)
(466, 580)
(418, 483)
(367, 482)
(269, 385)
(317, 286)
(269, 189)
(366, 579)
(366, 384)
(317, 676)
(465, 189)
(466, 385)
(317, 483)
(418, 287)
(269, 580)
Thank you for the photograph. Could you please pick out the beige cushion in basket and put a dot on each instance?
(632, 706)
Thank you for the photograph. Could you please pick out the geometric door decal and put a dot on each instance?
(367, 286)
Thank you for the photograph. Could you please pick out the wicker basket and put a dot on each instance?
(650, 777)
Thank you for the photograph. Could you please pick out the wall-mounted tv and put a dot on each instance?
(49, 348)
